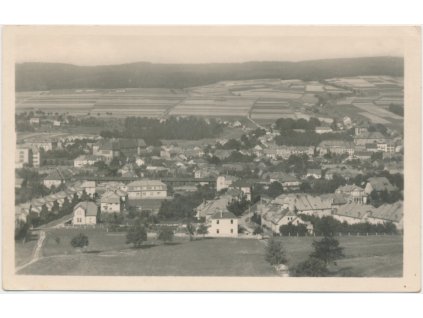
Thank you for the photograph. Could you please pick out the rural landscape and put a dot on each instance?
(240, 169)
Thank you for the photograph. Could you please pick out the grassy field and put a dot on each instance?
(107, 254)
(24, 252)
(377, 256)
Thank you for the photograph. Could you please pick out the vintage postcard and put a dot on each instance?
(212, 158)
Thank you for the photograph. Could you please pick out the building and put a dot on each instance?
(352, 213)
(87, 160)
(387, 147)
(338, 147)
(85, 213)
(23, 156)
(378, 184)
(208, 208)
(323, 130)
(353, 193)
(361, 129)
(43, 144)
(369, 138)
(244, 186)
(55, 178)
(388, 213)
(36, 158)
(147, 189)
(106, 148)
(223, 182)
(288, 182)
(110, 202)
(34, 121)
(89, 187)
(315, 173)
(363, 155)
(56, 123)
(223, 224)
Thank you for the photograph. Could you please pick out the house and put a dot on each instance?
(338, 147)
(388, 213)
(106, 148)
(56, 123)
(34, 121)
(222, 153)
(23, 156)
(223, 224)
(288, 182)
(208, 208)
(323, 130)
(55, 178)
(370, 137)
(22, 212)
(147, 189)
(45, 144)
(315, 173)
(131, 146)
(85, 213)
(347, 121)
(361, 129)
(387, 147)
(363, 155)
(353, 193)
(18, 182)
(87, 160)
(378, 184)
(352, 213)
(372, 147)
(139, 162)
(244, 186)
(36, 158)
(110, 203)
(223, 182)
(89, 187)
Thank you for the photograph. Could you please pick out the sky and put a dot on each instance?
(207, 47)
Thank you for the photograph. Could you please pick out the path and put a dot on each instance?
(37, 251)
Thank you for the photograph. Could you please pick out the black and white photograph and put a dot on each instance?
(266, 153)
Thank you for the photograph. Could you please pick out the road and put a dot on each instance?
(37, 251)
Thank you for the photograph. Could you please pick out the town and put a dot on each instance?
(280, 158)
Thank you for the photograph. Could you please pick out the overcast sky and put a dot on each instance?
(99, 49)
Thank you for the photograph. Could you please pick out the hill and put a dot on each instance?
(46, 76)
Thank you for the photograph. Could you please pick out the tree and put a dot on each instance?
(258, 230)
(191, 230)
(202, 230)
(166, 234)
(80, 241)
(275, 253)
(327, 250)
(136, 235)
(275, 189)
(312, 267)
(238, 207)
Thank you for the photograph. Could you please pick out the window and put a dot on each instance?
(232, 221)
(217, 231)
(217, 222)
(232, 231)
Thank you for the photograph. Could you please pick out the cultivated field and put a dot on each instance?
(108, 254)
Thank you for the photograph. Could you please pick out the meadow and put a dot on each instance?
(108, 254)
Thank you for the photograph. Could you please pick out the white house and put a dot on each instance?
(22, 156)
(223, 224)
(34, 121)
(223, 182)
(85, 213)
(147, 189)
(110, 202)
(87, 160)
